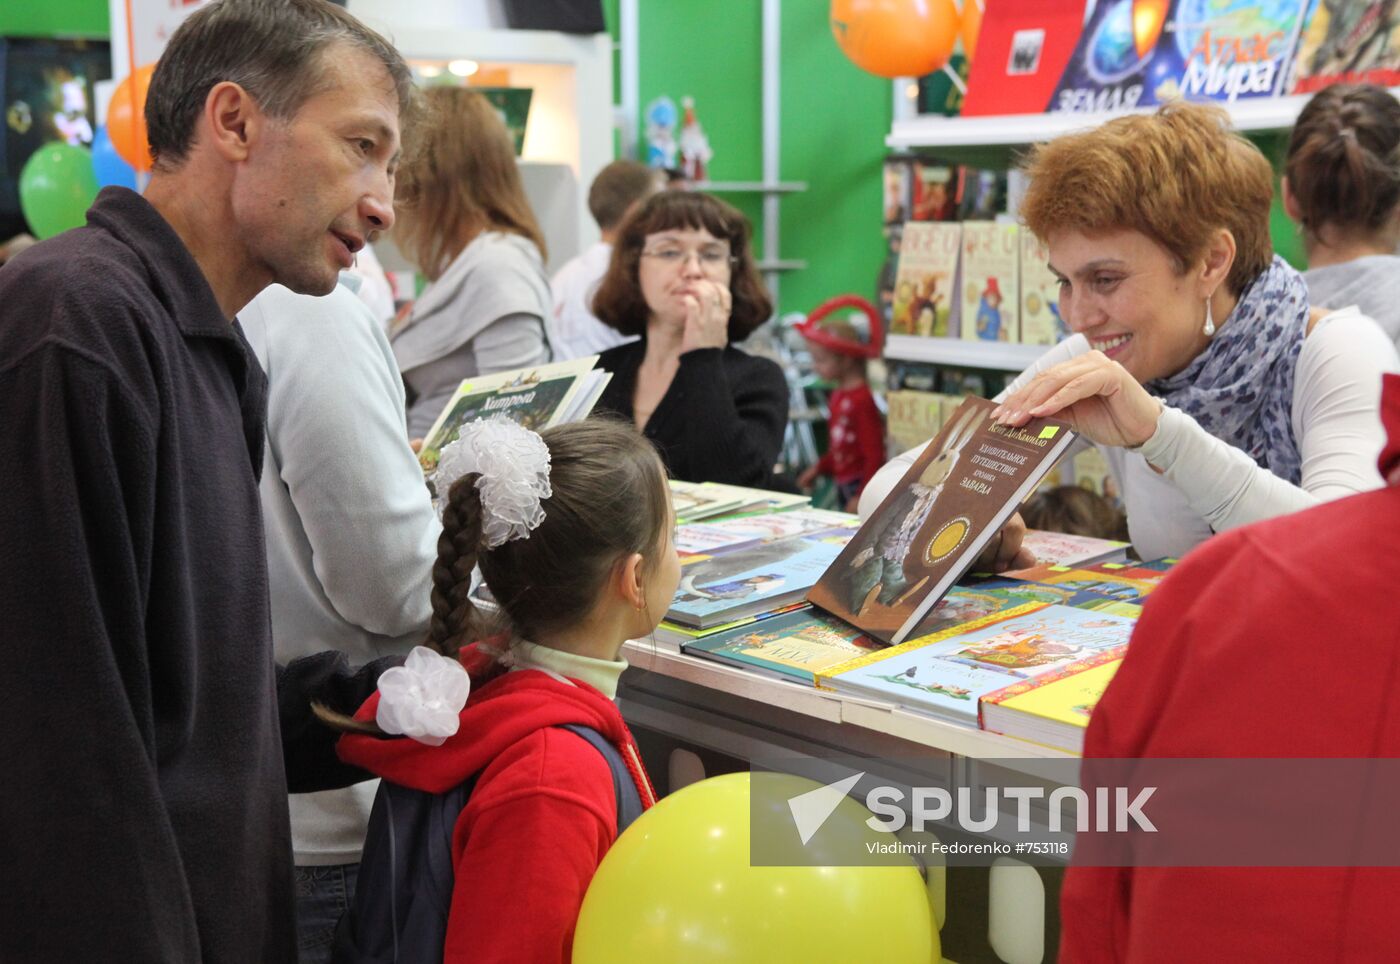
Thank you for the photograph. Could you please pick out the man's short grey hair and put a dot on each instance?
(273, 49)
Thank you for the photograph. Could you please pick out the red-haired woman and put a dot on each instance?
(1218, 396)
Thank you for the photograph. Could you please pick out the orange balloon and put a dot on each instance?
(1149, 16)
(971, 26)
(126, 118)
(895, 38)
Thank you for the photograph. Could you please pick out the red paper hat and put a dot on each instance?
(992, 288)
(814, 332)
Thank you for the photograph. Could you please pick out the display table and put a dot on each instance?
(673, 701)
(738, 711)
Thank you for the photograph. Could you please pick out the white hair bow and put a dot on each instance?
(423, 698)
(514, 466)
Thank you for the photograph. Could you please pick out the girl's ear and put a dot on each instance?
(631, 587)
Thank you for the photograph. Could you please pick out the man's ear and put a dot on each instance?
(232, 120)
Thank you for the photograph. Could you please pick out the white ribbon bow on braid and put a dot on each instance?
(423, 698)
(514, 466)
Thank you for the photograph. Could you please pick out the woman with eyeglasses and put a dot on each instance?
(683, 278)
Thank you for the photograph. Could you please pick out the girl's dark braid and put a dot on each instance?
(457, 550)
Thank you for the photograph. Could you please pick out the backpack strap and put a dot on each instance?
(629, 801)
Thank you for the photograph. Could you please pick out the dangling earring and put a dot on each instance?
(1209, 329)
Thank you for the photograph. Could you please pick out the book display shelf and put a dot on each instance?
(995, 141)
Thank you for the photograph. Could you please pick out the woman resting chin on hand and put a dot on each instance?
(682, 276)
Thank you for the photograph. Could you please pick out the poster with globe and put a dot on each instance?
(1112, 65)
(1226, 50)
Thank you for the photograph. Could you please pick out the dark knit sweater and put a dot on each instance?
(721, 420)
(145, 815)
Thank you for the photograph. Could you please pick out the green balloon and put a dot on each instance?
(56, 187)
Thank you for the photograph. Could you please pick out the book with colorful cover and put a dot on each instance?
(1163, 564)
(1022, 49)
(1063, 549)
(1088, 579)
(1347, 42)
(692, 501)
(936, 520)
(677, 635)
(797, 645)
(990, 283)
(1053, 709)
(1226, 50)
(913, 417)
(1105, 604)
(1126, 569)
(537, 397)
(696, 538)
(762, 500)
(1113, 64)
(1041, 323)
(984, 193)
(727, 586)
(925, 287)
(1015, 592)
(937, 186)
(946, 674)
(1090, 471)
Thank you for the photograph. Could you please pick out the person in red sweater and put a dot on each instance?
(572, 532)
(1225, 663)
(855, 428)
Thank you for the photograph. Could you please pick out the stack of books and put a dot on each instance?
(706, 500)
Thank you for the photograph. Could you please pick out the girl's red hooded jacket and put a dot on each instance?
(539, 820)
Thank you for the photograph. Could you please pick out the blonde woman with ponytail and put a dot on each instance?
(464, 220)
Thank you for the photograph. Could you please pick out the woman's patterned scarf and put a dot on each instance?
(1240, 389)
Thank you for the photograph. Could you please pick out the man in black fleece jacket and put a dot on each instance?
(144, 816)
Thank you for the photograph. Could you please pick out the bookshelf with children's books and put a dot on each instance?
(1045, 68)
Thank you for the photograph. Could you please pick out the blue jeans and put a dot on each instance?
(323, 895)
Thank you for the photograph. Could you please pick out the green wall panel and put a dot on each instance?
(54, 18)
(835, 118)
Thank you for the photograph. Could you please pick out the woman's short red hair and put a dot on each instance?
(1177, 176)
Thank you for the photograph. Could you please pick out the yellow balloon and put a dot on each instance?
(679, 887)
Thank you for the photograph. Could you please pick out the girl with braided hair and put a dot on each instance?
(572, 531)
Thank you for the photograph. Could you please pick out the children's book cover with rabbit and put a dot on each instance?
(951, 503)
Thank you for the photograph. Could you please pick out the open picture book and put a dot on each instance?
(538, 398)
(950, 505)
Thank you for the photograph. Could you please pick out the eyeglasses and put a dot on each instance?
(712, 259)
